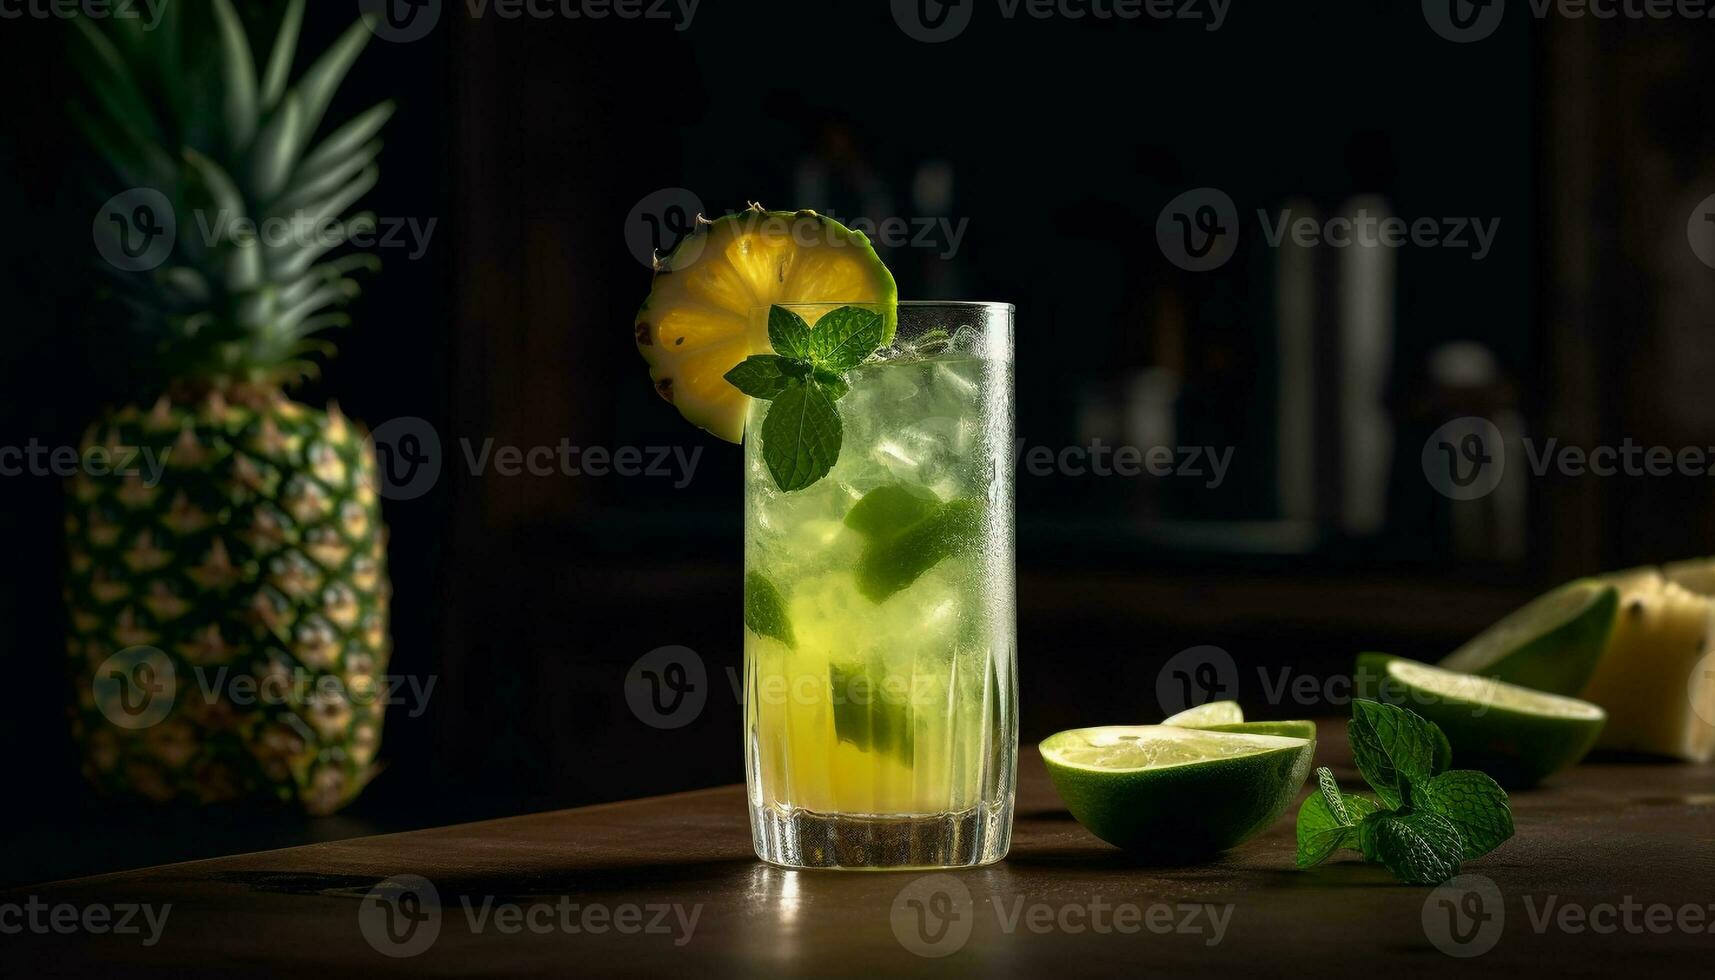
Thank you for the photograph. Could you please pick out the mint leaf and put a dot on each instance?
(1329, 820)
(1329, 790)
(800, 436)
(1323, 822)
(909, 531)
(1358, 807)
(765, 610)
(844, 338)
(1389, 745)
(761, 375)
(1419, 847)
(1472, 802)
(788, 334)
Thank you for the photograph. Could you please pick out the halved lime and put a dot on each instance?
(700, 318)
(1175, 794)
(1204, 715)
(1551, 644)
(1513, 733)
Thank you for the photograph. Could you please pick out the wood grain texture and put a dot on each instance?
(1591, 838)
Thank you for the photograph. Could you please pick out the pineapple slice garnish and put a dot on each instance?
(707, 309)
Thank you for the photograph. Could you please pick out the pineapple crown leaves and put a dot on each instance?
(189, 111)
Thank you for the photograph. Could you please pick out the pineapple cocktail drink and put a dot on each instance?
(880, 701)
(880, 706)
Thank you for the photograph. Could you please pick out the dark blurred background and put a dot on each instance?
(1028, 160)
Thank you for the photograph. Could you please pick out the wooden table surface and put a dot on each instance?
(1612, 869)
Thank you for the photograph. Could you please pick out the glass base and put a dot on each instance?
(795, 838)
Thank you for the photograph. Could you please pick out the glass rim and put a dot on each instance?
(948, 304)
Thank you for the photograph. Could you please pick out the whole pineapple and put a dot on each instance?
(251, 575)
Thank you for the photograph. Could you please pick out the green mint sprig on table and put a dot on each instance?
(803, 379)
(1427, 819)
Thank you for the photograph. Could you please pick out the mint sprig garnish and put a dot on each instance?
(1427, 822)
(803, 379)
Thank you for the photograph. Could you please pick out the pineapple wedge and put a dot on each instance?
(1655, 680)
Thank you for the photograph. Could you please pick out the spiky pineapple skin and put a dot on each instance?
(257, 565)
